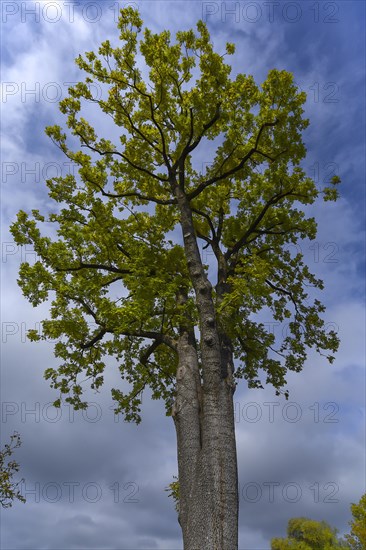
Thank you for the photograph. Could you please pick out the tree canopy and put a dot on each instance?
(308, 534)
(356, 539)
(109, 253)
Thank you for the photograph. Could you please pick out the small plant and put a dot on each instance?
(173, 487)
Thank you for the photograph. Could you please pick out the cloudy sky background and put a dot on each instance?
(93, 481)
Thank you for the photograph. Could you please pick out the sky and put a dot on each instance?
(93, 481)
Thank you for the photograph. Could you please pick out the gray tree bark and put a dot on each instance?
(204, 417)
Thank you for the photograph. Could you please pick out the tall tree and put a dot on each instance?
(125, 264)
(9, 489)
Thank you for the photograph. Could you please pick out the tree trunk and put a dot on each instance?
(207, 463)
(204, 417)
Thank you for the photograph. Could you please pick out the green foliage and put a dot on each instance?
(307, 534)
(105, 256)
(9, 489)
(173, 489)
(356, 539)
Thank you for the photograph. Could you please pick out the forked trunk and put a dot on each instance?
(207, 463)
(204, 413)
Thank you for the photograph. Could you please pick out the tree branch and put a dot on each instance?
(159, 337)
(164, 151)
(209, 221)
(111, 281)
(94, 340)
(133, 194)
(252, 228)
(284, 291)
(140, 133)
(122, 155)
(95, 266)
(236, 169)
(147, 353)
(123, 250)
(189, 147)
